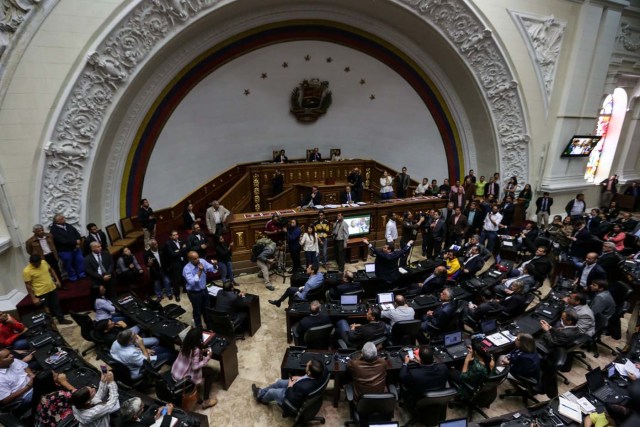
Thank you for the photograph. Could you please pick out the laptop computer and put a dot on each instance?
(598, 387)
(349, 302)
(370, 271)
(458, 422)
(489, 326)
(385, 300)
(454, 345)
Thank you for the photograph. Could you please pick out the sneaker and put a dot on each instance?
(271, 288)
(255, 390)
(275, 302)
(209, 403)
(64, 321)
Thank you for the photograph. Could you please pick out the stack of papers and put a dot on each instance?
(627, 368)
(498, 339)
(569, 409)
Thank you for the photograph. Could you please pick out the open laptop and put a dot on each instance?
(454, 345)
(458, 422)
(598, 387)
(370, 270)
(349, 302)
(489, 326)
(385, 300)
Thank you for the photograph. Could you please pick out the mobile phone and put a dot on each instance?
(164, 411)
(410, 354)
(103, 368)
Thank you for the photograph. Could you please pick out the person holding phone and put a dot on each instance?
(192, 361)
(420, 374)
(132, 410)
(477, 367)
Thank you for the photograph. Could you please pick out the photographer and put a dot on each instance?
(293, 240)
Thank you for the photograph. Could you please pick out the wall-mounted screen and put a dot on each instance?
(580, 145)
(359, 225)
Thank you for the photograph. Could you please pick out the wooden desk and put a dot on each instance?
(356, 250)
(227, 355)
(255, 319)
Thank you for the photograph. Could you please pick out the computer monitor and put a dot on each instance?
(385, 298)
(370, 268)
(489, 326)
(385, 424)
(452, 338)
(348, 299)
(595, 380)
(359, 225)
(459, 422)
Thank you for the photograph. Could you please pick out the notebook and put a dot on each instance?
(349, 302)
(370, 271)
(386, 300)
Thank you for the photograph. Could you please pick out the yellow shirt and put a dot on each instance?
(599, 420)
(453, 265)
(40, 278)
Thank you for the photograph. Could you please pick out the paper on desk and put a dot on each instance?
(331, 206)
(498, 339)
(158, 422)
(628, 367)
(569, 409)
(402, 270)
(508, 335)
(213, 290)
(360, 203)
(507, 243)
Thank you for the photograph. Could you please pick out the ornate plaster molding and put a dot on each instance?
(100, 83)
(628, 37)
(543, 36)
(13, 13)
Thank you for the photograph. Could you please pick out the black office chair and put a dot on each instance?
(601, 325)
(307, 413)
(358, 292)
(87, 331)
(484, 395)
(316, 294)
(222, 324)
(121, 373)
(10, 420)
(319, 337)
(167, 389)
(405, 332)
(379, 342)
(621, 293)
(172, 311)
(630, 245)
(574, 352)
(431, 408)
(372, 409)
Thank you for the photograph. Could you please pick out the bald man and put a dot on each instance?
(195, 274)
(401, 312)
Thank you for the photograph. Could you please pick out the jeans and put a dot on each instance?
(200, 303)
(20, 344)
(51, 302)
(274, 392)
(386, 196)
(161, 283)
(73, 264)
(226, 270)
(324, 244)
(310, 257)
(342, 330)
(149, 342)
(491, 236)
(264, 268)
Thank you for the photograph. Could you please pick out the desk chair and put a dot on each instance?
(319, 337)
(359, 292)
(484, 395)
(310, 407)
(621, 293)
(431, 408)
(379, 341)
(405, 332)
(316, 294)
(630, 245)
(168, 389)
(600, 327)
(371, 409)
(222, 324)
(87, 331)
(172, 311)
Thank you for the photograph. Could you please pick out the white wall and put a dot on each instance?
(217, 126)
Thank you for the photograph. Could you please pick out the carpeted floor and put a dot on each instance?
(260, 357)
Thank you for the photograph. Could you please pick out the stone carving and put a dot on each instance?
(13, 14)
(458, 23)
(103, 76)
(543, 35)
(625, 37)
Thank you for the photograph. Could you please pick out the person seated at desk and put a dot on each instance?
(369, 372)
(107, 330)
(314, 281)
(315, 155)
(401, 312)
(472, 264)
(313, 199)
(105, 310)
(356, 335)
(347, 286)
(229, 301)
(435, 320)
(562, 336)
(540, 262)
(387, 260)
(589, 272)
(93, 407)
(131, 412)
(347, 196)
(527, 280)
(524, 359)
(513, 304)
(192, 362)
(128, 269)
(452, 264)
(315, 318)
(578, 305)
(51, 402)
(477, 367)
(11, 332)
(130, 350)
(525, 241)
(16, 381)
(436, 281)
(421, 375)
(295, 389)
(281, 157)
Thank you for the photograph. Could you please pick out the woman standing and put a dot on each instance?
(93, 407)
(223, 254)
(386, 186)
(192, 361)
(527, 195)
(511, 187)
(309, 243)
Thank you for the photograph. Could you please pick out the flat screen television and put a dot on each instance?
(359, 225)
(580, 145)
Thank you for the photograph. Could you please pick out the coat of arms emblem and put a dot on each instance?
(310, 100)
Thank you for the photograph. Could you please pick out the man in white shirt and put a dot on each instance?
(217, 216)
(391, 230)
(130, 350)
(576, 207)
(490, 228)
(16, 380)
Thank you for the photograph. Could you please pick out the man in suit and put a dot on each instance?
(472, 264)
(577, 303)
(475, 218)
(340, 238)
(593, 221)
(357, 184)
(492, 188)
(627, 223)
(403, 180)
(153, 259)
(315, 155)
(526, 278)
(410, 229)
(42, 244)
(99, 267)
(543, 209)
(512, 304)
(281, 158)
(609, 261)
(67, 241)
(295, 389)
(457, 226)
(314, 281)
(589, 272)
(347, 286)
(95, 235)
(387, 260)
(563, 336)
(474, 240)
(507, 210)
(435, 320)
(315, 318)
(313, 199)
(602, 304)
(356, 335)
(217, 217)
(580, 242)
(347, 196)
(174, 257)
(420, 375)
(197, 241)
(609, 188)
(435, 235)
(434, 282)
(540, 263)
(229, 301)
(148, 221)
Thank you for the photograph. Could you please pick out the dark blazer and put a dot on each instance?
(193, 244)
(315, 157)
(311, 321)
(436, 283)
(593, 224)
(442, 315)
(91, 267)
(281, 159)
(478, 219)
(367, 332)
(580, 247)
(609, 262)
(628, 226)
(166, 422)
(496, 188)
(154, 269)
(228, 302)
(439, 230)
(539, 201)
(597, 272)
(174, 258)
(343, 197)
(64, 239)
(297, 393)
(187, 220)
(316, 201)
(560, 337)
(474, 265)
(90, 238)
(387, 263)
(144, 216)
(460, 227)
(514, 304)
(417, 379)
(507, 211)
(542, 267)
